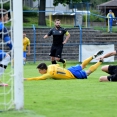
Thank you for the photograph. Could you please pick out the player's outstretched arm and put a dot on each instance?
(113, 53)
(43, 77)
(34, 78)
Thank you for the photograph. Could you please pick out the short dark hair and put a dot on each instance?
(42, 66)
(57, 20)
(3, 12)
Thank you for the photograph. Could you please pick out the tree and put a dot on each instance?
(64, 2)
(41, 8)
(97, 2)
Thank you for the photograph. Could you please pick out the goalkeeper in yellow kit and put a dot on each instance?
(75, 72)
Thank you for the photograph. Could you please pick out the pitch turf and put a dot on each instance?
(67, 98)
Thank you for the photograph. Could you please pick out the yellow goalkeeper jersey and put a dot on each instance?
(55, 72)
(26, 42)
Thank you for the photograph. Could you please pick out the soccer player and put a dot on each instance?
(4, 57)
(110, 69)
(58, 41)
(74, 72)
(110, 16)
(26, 44)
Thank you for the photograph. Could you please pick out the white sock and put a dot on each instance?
(1, 70)
(5, 61)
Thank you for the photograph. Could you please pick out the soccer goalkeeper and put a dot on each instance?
(4, 57)
(75, 72)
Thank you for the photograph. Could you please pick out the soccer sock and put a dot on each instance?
(86, 61)
(54, 62)
(24, 62)
(61, 60)
(4, 63)
(1, 70)
(95, 66)
(6, 60)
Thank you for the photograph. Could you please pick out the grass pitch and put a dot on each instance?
(67, 98)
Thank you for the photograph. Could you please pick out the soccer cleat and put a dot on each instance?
(98, 53)
(3, 85)
(100, 60)
(64, 64)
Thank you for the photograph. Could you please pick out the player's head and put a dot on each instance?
(3, 15)
(42, 67)
(110, 11)
(57, 23)
(24, 34)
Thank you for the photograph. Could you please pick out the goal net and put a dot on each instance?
(11, 96)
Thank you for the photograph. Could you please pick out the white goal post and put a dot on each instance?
(18, 54)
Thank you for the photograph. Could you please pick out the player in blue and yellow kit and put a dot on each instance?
(58, 42)
(4, 57)
(74, 72)
(110, 17)
(26, 45)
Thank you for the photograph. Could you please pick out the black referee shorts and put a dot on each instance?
(112, 70)
(56, 51)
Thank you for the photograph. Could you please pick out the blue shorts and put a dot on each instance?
(2, 54)
(24, 54)
(78, 72)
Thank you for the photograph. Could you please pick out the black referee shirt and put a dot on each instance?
(58, 35)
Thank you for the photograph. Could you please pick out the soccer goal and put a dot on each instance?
(12, 96)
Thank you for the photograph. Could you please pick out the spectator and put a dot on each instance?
(26, 44)
(110, 17)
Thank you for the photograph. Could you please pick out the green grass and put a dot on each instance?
(34, 20)
(66, 98)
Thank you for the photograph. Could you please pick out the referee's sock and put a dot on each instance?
(54, 62)
(61, 60)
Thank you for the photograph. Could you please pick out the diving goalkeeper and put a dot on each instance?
(75, 72)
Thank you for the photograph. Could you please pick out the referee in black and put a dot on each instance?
(58, 41)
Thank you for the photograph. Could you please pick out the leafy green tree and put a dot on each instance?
(97, 2)
(42, 6)
(64, 2)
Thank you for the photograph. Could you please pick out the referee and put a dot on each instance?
(58, 41)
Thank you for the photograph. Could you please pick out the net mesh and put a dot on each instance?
(6, 92)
